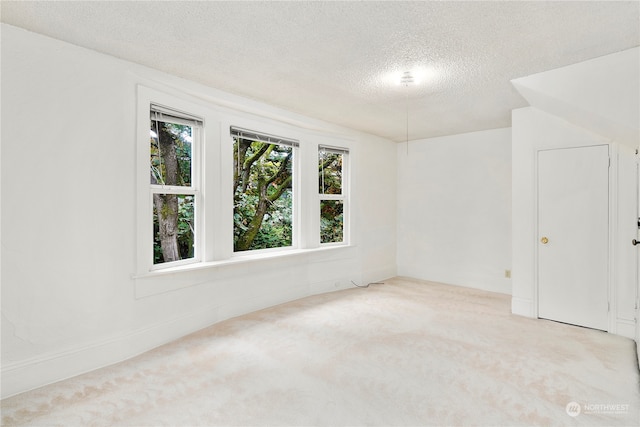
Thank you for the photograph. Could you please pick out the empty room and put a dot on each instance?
(320, 213)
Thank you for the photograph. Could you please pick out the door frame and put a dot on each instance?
(621, 241)
(612, 214)
(637, 301)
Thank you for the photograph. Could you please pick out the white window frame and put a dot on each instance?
(167, 114)
(295, 222)
(212, 181)
(343, 196)
(149, 99)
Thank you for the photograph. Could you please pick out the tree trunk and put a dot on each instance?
(246, 239)
(167, 210)
(167, 204)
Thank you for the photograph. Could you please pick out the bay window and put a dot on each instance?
(211, 193)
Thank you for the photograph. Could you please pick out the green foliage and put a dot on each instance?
(276, 226)
(331, 221)
(331, 211)
(186, 229)
(330, 172)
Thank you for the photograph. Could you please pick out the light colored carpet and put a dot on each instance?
(404, 353)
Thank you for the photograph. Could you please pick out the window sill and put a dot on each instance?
(241, 259)
(181, 277)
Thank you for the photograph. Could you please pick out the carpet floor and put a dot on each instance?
(404, 353)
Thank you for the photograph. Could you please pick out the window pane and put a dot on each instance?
(173, 227)
(330, 172)
(331, 221)
(263, 198)
(170, 153)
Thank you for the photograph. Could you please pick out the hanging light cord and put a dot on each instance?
(407, 98)
(407, 78)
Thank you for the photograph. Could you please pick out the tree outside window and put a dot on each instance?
(171, 173)
(332, 197)
(263, 194)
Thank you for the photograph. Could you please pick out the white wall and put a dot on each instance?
(69, 302)
(592, 102)
(534, 130)
(454, 209)
(600, 94)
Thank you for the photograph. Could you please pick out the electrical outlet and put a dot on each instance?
(507, 274)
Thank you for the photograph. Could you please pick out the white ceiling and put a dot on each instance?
(331, 60)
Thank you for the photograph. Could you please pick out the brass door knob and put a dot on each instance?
(544, 240)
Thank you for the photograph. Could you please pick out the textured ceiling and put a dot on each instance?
(332, 60)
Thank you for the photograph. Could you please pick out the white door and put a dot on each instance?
(573, 235)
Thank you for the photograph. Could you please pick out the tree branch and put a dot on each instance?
(251, 160)
(282, 169)
(279, 190)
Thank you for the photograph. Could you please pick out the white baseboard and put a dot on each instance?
(24, 375)
(626, 328)
(523, 307)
